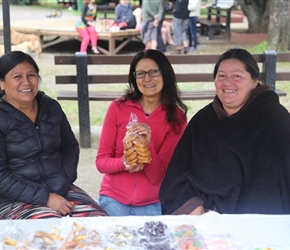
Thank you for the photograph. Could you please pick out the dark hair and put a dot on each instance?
(170, 94)
(242, 55)
(11, 59)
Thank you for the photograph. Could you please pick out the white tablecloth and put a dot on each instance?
(245, 232)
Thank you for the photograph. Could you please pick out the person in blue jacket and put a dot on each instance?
(125, 17)
(39, 153)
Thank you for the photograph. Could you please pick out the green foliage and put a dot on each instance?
(259, 48)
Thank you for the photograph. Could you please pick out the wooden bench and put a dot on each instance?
(218, 20)
(82, 79)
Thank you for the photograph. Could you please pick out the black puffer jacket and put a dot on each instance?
(36, 159)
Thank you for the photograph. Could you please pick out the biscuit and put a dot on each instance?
(128, 145)
(132, 156)
(129, 151)
(136, 148)
(142, 159)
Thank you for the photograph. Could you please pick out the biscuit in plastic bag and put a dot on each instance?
(135, 146)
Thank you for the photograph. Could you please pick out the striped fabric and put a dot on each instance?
(85, 206)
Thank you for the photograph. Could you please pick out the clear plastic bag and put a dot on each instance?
(155, 235)
(135, 145)
(82, 237)
(187, 237)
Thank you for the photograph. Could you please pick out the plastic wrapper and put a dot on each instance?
(82, 237)
(135, 146)
(154, 235)
(41, 240)
(222, 242)
(36, 240)
(121, 237)
(187, 237)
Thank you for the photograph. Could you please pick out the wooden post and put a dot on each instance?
(209, 12)
(228, 24)
(6, 26)
(83, 99)
(269, 68)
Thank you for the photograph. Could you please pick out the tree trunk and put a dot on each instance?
(278, 35)
(257, 13)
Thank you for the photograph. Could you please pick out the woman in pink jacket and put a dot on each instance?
(153, 95)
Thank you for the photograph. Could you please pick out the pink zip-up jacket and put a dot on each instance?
(139, 188)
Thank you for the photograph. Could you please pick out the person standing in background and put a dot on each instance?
(160, 44)
(152, 14)
(179, 25)
(86, 26)
(194, 12)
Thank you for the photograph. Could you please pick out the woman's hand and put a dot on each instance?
(59, 204)
(155, 23)
(135, 167)
(144, 130)
(198, 211)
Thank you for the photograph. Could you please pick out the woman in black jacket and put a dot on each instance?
(38, 151)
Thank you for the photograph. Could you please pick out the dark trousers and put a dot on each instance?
(192, 31)
(160, 44)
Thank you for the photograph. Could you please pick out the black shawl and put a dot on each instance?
(232, 164)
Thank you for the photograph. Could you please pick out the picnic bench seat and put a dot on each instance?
(83, 80)
(218, 20)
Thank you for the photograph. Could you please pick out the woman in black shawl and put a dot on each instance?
(234, 156)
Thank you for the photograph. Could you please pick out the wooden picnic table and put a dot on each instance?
(59, 30)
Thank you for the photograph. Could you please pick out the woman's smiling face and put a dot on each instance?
(233, 85)
(149, 86)
(21, 84)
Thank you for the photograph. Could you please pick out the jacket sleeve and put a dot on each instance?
(84, 12)
(155, 171)
(13, 187)
(106, 160)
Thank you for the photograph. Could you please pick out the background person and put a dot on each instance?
(160, 44)
(86, 26)
(234, 156)
(125, 17)
(166, 33)
(39, 152)
(153, 96)
(179, 26)
(194, 12)
(152, 14)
